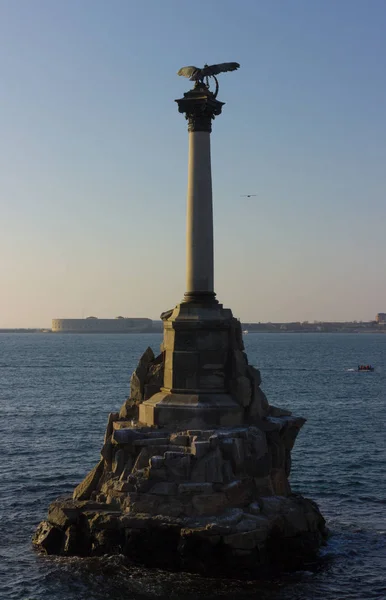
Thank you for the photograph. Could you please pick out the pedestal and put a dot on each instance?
(197, 354)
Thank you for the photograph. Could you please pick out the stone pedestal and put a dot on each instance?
(197, 370)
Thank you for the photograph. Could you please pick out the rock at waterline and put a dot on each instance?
(209, 501)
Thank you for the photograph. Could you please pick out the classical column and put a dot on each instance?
(198, 333)
(200, 107)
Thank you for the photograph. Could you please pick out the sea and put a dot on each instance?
(56, 391)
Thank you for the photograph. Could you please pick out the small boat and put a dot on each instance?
(365, 368)
(245, 331)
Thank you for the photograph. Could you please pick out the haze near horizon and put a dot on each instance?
(94, 157)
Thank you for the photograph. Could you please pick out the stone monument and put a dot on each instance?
(194, 469)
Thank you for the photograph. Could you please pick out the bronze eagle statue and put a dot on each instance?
(198, 75)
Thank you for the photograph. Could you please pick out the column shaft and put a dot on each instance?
(199, 230)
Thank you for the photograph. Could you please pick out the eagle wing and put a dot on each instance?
(190, 72)
(220, 68)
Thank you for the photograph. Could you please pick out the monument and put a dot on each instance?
(194, 469)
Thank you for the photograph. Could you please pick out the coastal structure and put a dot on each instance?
(95, 325)
(194, 469)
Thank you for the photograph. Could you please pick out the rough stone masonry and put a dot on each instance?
(207, 500)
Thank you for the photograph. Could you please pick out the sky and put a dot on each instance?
(93, 157)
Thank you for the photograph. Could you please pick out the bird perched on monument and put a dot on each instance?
(198, 75)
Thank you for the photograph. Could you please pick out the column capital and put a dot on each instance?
(200, 107)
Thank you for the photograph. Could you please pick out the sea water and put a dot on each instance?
(56, 392)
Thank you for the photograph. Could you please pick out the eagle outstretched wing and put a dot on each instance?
(221, 68)
(196, 74)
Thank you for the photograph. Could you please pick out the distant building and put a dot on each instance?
(95, 325)
(381, 318)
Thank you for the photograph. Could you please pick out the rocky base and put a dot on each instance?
(274, 531)
(210, 501)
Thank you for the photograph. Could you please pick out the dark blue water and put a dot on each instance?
(56, 392)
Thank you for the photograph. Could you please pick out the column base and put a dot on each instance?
(200, 298)
(191, 411)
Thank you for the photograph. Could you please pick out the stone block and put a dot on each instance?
(136, 521)
(199, 447)
(226, 446)
(164, 488)
(214, 441)
(158, 474)
(155, 373)
(241, 541)
(156, 462)
(254, 375)
(89, 484)
(239, 364)
(110, 421)
(212, 340)
(287, 463)
(263, 486)
(208, 468)
(272, 506)
(142, 503)
(162, 441)
(227, 471)
(195, 488)
(260, 467)
(126, 469)
(276, 449)
(126, 436)
(201, 434)
(241, 390)
(180, 439)
(274, 411)
(236, 336)
(257, 441)
(178, 465)
(136, 388)
(63, 514)
(76, 542)
(214, 381)
(119, 462)
(213, 360)
(49, 538)
(238, 455)
(171, 508)
(280, 482)
(129, 410)
(107, 453)
(142, 460)
(125, 486)
(254, 508)
(185, 366)
(290, 432)
(259, 406)
(209, 504)
(246, 524)
(240, 492)
(150, 389)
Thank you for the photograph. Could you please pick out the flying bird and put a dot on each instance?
(247, 195)
(198, 75)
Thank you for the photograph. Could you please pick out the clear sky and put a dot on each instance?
(93, 157)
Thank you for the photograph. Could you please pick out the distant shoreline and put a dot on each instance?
(248, 328)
